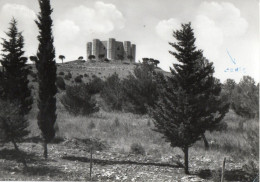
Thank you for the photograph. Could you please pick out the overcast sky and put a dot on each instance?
(227, 31)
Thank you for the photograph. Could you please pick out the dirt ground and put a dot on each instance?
(69, 160)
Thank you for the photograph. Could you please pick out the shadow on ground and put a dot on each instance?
(13, 155)
(38, 139)
(111, 162)
(230, 175)
(42, 170)
(39, 170)
(36, 165)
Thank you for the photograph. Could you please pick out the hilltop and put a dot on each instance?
(100, 69)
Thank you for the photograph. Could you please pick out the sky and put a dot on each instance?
(226, 30)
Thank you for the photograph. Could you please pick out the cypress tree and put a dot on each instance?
(46, 66)
(190, 100)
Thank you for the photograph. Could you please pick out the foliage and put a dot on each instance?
(95, 85)
(137, 148)
(13, 126)
(151, 61)
(78, 101)
(189, 100)
(61, 73)
(140, 88)
(91, 125)
(15, 83)
(60, 83)
(245, 98)
(116, 122)
(78, 79)
(112, 92)
(46, 66)
(68, 76)
(91, 57)
(107, 60)
(61, 57)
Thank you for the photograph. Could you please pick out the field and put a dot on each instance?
(125, 148)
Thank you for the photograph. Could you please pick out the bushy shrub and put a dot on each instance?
(251, 170)
(60, 83)
(95, 86)
(78, 79)
(252, 165)
(78, 101)
(91, 125)
(245, 98)
(13, 126)
(140, 89)
(112, 92)
(148, 123)
(116, 122)
(85, 75)
(68, 76)
(137, 148)
(61, 73)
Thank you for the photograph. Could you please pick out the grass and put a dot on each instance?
(121, 130)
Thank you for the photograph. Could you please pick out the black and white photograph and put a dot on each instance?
(129, 90)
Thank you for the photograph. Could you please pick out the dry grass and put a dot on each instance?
(121, 130)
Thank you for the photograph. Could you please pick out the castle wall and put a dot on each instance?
(103, 48)
(89, 49)
(96, 45)
(133, 52)
(127, 49)
(119, 50)
(111, 49)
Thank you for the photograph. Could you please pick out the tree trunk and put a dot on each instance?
(186, 160)
(20, 154)
(45, 149)
(206, 143)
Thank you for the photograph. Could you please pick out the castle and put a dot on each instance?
(112, 50)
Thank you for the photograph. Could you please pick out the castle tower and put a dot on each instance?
(95, 47)
(127, 49)
(111, 47)
(89, 49)
(133, 52)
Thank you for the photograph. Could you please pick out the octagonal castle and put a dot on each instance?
(112, 50)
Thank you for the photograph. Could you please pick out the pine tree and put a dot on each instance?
(16, 100)
(189, 101)
(46, 66)
(15, 76)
